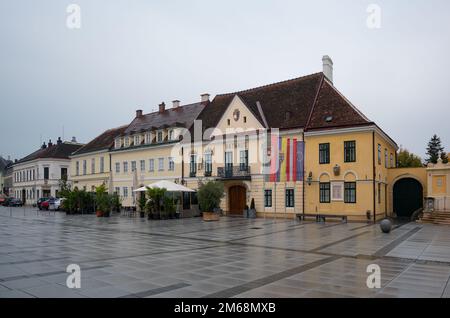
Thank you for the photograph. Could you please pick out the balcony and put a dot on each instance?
(236, 173)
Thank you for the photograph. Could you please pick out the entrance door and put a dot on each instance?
(237, 196)
(408, 197)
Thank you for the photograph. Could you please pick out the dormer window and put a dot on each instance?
(118, 143)
(137, 140)
(171, 134)
(160, 136)
(148, 138)
(126, 142)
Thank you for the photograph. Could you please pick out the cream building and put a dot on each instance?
(39, 174)
(439, 185)
(90, 165)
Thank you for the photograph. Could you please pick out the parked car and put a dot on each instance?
(7, 201)
(59, 204)
(2, 199)
(39, 202)
(48, 204)
(15, 202)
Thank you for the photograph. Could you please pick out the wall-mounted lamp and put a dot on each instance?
(310, 178)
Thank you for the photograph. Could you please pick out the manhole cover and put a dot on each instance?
(256, 228)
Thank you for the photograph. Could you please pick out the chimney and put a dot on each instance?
(205, 98)
(50, 143)
(138, 113)
(44, 145)
(59, 141)
(162, 107)
(176, 104)
(328, 68)
(74, 139)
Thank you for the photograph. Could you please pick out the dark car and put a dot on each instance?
(7, 201)
(15, 202)
(39, 202)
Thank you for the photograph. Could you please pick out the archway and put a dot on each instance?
(408, 197)
(237, 199)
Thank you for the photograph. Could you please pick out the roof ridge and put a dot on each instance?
(272, 84)
(181, 106)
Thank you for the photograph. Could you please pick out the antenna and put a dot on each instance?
(63, 132)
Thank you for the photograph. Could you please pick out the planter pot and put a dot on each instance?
(99, 214)
(106, 214)
(245, 214)
(211, 216)
(142, 214)
(252, 214)
(150, 216)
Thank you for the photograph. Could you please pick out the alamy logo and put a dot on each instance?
(374, 19)
(374, 279)
(74, 279)
(73, 20)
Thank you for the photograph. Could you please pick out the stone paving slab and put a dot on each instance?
(133, 257)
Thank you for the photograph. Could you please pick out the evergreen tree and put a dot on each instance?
(434, 149)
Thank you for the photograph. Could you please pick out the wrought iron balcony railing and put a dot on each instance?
(233, 172)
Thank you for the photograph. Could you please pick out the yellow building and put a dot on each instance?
(294, 147)
(439, 185)
(90, 165)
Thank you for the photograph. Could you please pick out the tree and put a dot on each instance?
(435, 150)
(407, 159)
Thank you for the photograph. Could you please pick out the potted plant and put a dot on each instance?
(142, 202)
(252, 211)
(209, 196)
(103, 201)
(156, 196)
(245, 213)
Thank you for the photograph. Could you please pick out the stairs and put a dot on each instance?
(437, 217)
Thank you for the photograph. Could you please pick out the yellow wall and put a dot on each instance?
(91, 179)
(439, 185)
(360, 172)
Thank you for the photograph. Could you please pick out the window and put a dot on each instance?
(160, 136)
(126, 141)
(77, 168)
(34, 174)
(142, 165)
(63, 173)
(349, 151)
(267, 198)
(386, 162)
(137, 140)
(243, 160)
(324, 153)
(171, 134)
(289, 198)
(151, 165)
(117, 167)
(117, 143)
(392, 161)
(102, 164)
(350, 192)
(324, 189)
(208, 163)
(133, 166)
(46, 173)
(171, 164)
(148, 138)
(125, 192)
(160, 164)
(92, 165)
(125, 167)
(117, 190)
(84, 167)
(193, 165)
(228, 122)
(379, 154)
(245, 119)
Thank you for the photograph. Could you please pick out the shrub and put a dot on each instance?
(209, 196)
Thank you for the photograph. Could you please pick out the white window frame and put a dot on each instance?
(117, 167)
(160, 164)
(142, 165)
(151, 165)
(336, 189)
(171, 164)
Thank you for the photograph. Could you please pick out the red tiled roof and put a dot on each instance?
(102, 142)
(56, 151)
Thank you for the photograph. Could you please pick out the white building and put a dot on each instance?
(39, 174)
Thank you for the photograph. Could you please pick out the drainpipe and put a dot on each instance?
(374, 177)
(304, 184)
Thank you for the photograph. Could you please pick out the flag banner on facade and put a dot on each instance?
(287, 160)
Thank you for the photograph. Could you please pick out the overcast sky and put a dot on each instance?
(135, 54)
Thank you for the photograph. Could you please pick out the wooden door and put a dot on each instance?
(237, 196)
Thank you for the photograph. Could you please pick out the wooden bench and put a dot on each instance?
(321, 217)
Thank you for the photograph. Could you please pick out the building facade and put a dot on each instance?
(39, 174)
(90, 165)
(439, 185)
(5, 173)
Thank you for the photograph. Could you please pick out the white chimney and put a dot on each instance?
(328, 68)
(176, 104)
(205, 98)
(74, 139)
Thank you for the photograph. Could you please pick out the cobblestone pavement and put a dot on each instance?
(131, 257)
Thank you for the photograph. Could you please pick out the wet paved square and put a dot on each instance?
(132, 257)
